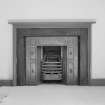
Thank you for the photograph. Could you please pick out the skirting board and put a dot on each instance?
(93, 82)
(6, 83)
(97, 82)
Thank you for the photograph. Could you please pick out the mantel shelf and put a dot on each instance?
(34, 21)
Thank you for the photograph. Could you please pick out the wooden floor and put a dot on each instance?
(52, 94)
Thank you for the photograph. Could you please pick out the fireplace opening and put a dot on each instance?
(34, 49)
(52, 64)
(55, 60)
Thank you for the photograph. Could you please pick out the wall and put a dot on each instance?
(52, 9)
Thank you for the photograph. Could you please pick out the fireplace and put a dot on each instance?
(51, 52)
(51, 59)
(51, 64)
(56, 58)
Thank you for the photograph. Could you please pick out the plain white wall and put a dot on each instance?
(52, 9)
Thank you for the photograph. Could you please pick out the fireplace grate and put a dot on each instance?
(52, 68)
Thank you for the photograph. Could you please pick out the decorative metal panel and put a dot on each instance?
(31, 59)
(32, 62)
(46, 41)
(72, 60)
